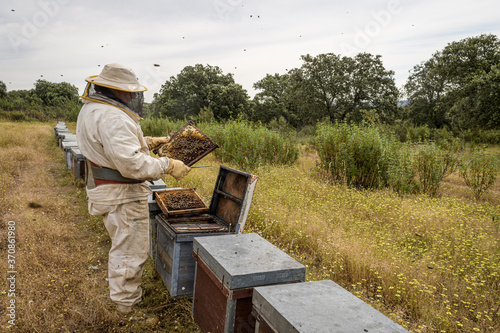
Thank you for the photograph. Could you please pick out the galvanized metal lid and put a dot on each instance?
(75, 151)
(319, 306)
(247, 260)
(67, 145)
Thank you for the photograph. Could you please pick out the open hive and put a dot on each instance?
(188, 145)
(175, 230)
(181, 201)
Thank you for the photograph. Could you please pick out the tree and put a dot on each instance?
(271, 102)
(371, 86)
(479, 107)
(3, 90)
(462, 61)
(21, 100)
(340, 88)
(55, 94)
(198, 87)
(424, 89)
(448, 88)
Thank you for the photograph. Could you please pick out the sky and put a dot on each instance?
(69, 40)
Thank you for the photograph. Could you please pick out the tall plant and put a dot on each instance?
(354, 155)
(479, 171)
(430, 168)
(401, 173)
(249, 145)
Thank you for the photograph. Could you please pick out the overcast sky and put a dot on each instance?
(68, 40)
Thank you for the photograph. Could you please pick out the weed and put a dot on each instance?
(479, 172)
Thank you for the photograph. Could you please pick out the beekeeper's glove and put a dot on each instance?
(177, 169)
(154, 142)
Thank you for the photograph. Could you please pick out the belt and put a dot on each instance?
(103, 175)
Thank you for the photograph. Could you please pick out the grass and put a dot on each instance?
(430, 264)
(61, 251)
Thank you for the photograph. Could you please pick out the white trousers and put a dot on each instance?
(128, 228)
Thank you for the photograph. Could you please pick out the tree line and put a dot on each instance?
(458, 88)
(46, 101)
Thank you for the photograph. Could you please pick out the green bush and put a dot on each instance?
(482, 136)
(372, 157)
(17, 116)
(353, 155)
(154, 126)
(407, 132)
(401, 173)
(249, 145)
(479, 171)
(431, 166)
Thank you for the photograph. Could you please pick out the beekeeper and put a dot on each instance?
(110, 137)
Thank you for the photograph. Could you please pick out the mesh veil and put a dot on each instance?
(106, 94)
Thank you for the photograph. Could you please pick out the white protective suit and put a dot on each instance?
(111, 137)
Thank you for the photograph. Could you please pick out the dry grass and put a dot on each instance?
(61, 251)
(430, 264)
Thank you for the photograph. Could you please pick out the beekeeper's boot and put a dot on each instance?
(124, 309)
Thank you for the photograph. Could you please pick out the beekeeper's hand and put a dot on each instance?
(154, 142)
(177, 169)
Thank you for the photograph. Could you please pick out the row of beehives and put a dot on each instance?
(66, 140)
(243, 283)
(240, 282)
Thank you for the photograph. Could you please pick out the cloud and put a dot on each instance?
(246, 38)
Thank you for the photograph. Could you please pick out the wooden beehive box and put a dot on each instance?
(60, 132)
(79, 164)
(60, 126)
(226, 214)
(319, 306)
(65, 137)
(154, 209)
(227, 269)
(66, 146)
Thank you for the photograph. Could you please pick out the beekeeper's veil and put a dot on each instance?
(101, 88)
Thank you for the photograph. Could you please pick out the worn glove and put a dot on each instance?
(177, 169)
(154, 142)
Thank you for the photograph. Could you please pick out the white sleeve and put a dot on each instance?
(125, 146)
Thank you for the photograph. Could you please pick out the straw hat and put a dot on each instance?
(116, 76)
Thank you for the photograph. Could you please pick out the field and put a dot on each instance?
(430, 264)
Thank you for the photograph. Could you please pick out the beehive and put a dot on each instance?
(319, 307)
(227, 269)
(226, 214)
(79, 164)
(65, 136)
(154, 209)
(60, 126)
(67, 146)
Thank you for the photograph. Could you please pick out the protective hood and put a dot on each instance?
(104, 95)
